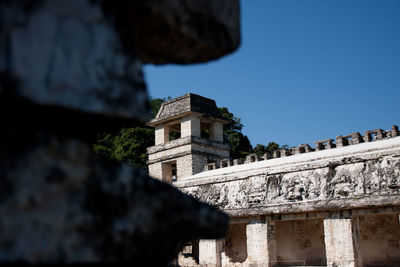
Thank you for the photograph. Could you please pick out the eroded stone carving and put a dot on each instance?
(340, 180)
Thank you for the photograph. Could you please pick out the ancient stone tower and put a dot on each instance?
(188, 136)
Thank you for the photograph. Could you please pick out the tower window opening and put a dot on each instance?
(174, 131)
(169, 172)
(205, 130)
(173, 172)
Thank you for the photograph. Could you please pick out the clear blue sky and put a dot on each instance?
(306, 70)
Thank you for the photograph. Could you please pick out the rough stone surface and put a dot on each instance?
(209, 250)
(338, 206)
(68, 54)
(180, 31)
(342, 248)
(261, 243)
(189, 153)
(181, 106)
(60, 203)
(317, 181)
(300, 242)
(380, 239)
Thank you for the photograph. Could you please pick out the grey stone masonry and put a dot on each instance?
(190, 103)
(252, 158)
(395, 131)
(341, 141)
(200, 146)
(212, 166)
(373, 135)
(303, 148)
(324, 144)
(359, 176)
(266, 156)
(276, 154)
(237, 162)
(285, 152)
(225, 163)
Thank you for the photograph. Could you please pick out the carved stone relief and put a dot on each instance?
(352, 180)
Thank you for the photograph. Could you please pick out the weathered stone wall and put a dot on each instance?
(236, 243)
(363, 175)
(380, 239)
(190, 153)
(161, 135)
(334, 207)
(190, 126)
(300, 242)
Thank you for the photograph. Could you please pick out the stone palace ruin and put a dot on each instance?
(337, 204)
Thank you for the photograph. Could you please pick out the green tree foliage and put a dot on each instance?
(259, 150)
(240, 144)
(155, 105)
(269, 149)
(234, 122)
(129, 145)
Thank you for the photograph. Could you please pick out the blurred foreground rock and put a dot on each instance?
(179, 31)
(69, 70)
(60, 203)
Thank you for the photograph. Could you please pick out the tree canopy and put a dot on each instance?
(269, 149)
(240, 144)
(128, 145)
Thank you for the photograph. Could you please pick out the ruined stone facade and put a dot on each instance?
(337, 204)
(199, 125)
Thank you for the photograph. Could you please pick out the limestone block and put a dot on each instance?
(161, 134)
(217, 132)
(380, 239)
(184, 166)
(190, 126)
(155, 170)
(209, 252)
(341, 242)
(261, 243)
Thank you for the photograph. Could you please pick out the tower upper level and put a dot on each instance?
(188, 136)
(188, 115)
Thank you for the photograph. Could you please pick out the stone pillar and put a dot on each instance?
(155, 170)
(210, 252)
(190, 126)
(261, 243)
(217, 132)
(341, 242)
(161, 134)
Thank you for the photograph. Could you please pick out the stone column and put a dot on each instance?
(210, 252)
(161, 134)
(190, 126)
(261, 243)
(342, 242)
(217, 132)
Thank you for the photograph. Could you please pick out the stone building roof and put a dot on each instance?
(184, 105)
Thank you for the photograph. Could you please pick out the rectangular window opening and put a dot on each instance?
(205, 130)
(174, 131)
